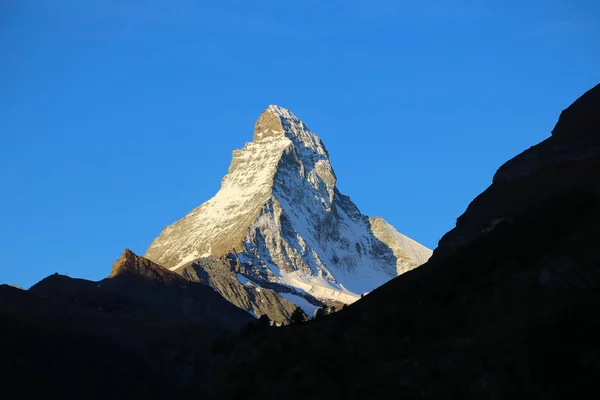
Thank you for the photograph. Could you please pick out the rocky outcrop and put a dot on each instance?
(238, 289)
(280, 216)
(408, 253)
(130, 264)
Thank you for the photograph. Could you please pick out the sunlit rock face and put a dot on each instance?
(280, 220)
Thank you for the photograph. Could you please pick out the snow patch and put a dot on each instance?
(189, 258)
(243, 280)
(247, 282)
(301, 302)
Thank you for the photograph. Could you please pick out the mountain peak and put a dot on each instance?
(131, 264)
(282, 112)
(276, 121)
(127, 259)
(280, 216)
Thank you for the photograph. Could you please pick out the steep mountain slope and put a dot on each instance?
(240, 291)
(280, 219)
(508, 306)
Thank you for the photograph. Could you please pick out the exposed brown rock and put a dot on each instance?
(131, 263)
(268, 124)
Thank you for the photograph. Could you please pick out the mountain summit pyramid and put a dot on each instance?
(280, 223)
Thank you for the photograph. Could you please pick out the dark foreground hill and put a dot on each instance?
(142, 332)
(507, 307)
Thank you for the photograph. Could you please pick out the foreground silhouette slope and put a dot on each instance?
(142, 332)
(508, 305)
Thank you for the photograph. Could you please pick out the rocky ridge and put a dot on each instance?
(243, 293)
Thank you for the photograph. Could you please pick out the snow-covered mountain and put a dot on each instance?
(280, 223)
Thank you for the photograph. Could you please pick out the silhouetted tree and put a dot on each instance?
(298, 316)
(264, 321)
(321, 312)
(332, 310)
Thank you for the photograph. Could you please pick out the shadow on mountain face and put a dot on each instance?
(507, 307)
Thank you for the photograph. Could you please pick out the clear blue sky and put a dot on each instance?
(117, 117)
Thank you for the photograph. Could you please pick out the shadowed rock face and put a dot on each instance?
(142, 332)
(168, 292)
(581, 118)
(565, 161)
(280, 216)
(507, 307)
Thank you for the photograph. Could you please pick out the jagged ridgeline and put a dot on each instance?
(279, 231)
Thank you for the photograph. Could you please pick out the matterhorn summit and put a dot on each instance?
(280, 224)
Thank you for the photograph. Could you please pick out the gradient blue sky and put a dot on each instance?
(117, 117)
